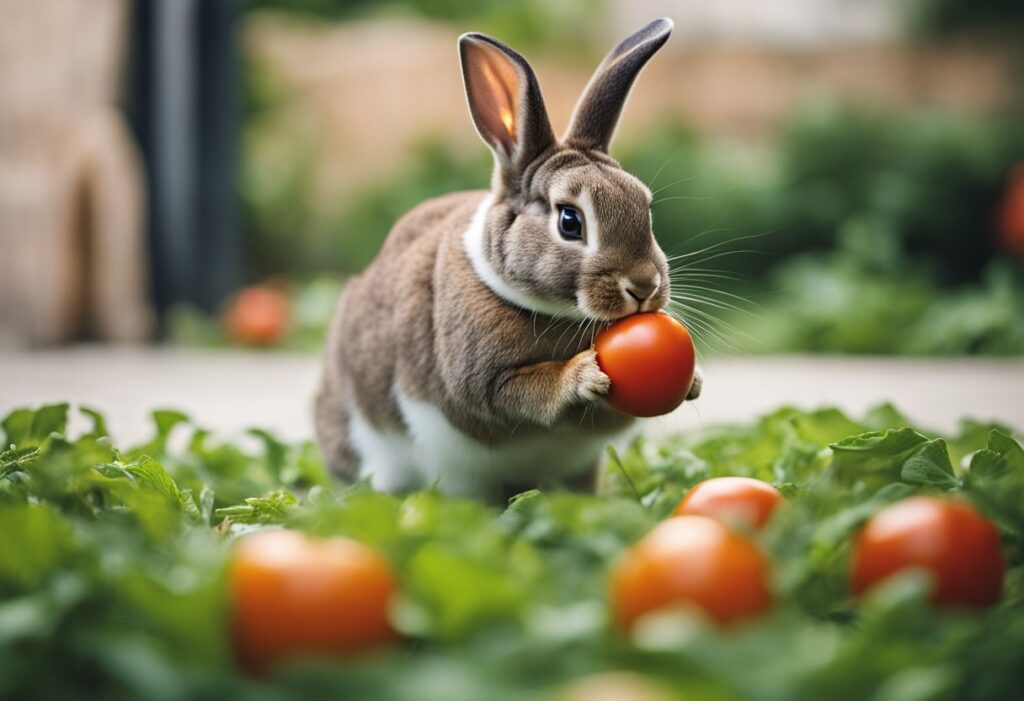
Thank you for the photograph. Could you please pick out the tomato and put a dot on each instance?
(650, 361)
(731, 499)
(691, 560)
(948, 538)
(291, 594)
(1010, 215)
(257, 316)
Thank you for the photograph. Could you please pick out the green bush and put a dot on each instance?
(929, 183)
(864, 234)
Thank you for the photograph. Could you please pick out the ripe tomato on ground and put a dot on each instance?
(257, 316)
(650, 360)
(731, 500)
(1010, 215)
(292, 594)
(691, 560)
(947, 537)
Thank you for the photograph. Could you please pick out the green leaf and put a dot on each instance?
(971, 436)
(460, 592)
(99, 424)
(166, 419)
(995, 482)
(151, 474)
(885, 416)
(146, 474)
(15, 459)
(930, 465)
(1011, 451)
(875, 453)
(987, 465)
(26, 428)
(823, 426)
(36, 539)
(275, 451)
(269, 509)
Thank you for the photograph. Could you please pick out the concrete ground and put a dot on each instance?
(230, 390)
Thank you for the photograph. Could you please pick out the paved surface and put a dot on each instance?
(230, 390)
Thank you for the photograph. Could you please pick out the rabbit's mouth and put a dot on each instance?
(621, 309)
(614, 298)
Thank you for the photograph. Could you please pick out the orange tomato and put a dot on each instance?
(294, 595)
(650, 360)
(257, 316)
(691, 560)
(731, 499)
(946, 537)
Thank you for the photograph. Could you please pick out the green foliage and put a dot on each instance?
(885, 190)
(287, 232)
(522, 23)
(438, 169)
(113, 563)
(864, 234)
(830, 304)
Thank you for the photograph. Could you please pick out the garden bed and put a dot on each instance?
(114, 563)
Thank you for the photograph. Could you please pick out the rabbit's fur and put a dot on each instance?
(462, 355)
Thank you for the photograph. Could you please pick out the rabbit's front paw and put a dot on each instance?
(696, 385)
(588, 381)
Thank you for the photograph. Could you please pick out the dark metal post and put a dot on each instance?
(184, 106)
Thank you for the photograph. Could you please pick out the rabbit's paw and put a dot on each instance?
(697, 385)
(588, 382)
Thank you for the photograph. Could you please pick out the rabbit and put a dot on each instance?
(461, 357)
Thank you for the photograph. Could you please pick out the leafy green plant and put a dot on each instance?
(113, 563)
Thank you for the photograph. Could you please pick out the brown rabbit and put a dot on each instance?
(462, 355)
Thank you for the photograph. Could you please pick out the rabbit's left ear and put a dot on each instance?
(597, 113)
(505, 102)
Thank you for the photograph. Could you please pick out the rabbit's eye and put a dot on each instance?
(570, 224)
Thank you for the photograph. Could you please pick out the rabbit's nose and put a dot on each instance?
(640, 288)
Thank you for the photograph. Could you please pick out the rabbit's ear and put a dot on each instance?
(505, 101)
(597, 112)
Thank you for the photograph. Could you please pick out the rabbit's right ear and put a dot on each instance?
(597, 113)
(505, 103)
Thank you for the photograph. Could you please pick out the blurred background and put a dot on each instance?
(843, 176)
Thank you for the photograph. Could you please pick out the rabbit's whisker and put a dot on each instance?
(674, 183)
(663, 165)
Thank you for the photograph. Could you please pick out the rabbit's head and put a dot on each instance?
(567, 231)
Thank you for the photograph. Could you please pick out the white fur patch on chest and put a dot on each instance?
(436, 453)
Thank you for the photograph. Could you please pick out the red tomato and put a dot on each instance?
(650, 361)
(291, 594)
(1011, 213)
(731, 499)
(948, 538)
(691, 560)
(257, 316)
